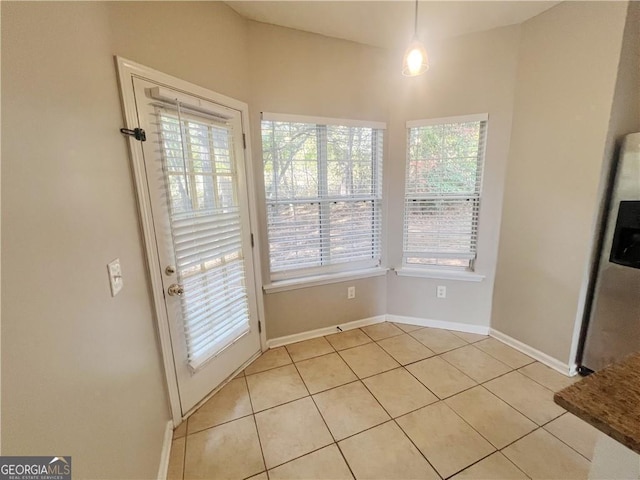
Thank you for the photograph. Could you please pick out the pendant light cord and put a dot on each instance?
(415, 22)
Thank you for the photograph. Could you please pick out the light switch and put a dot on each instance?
(115, 276)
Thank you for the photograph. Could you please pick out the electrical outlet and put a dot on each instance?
(351, 292)
(441, 291)
(115, 277)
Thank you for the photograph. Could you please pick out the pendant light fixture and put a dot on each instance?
(415, 61)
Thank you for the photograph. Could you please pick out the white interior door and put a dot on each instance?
(194, 164)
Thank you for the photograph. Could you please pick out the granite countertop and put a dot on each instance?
(609, 400)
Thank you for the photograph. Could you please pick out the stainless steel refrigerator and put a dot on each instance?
(613, 327)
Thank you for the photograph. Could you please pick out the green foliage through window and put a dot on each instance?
(442, 194)
(323, 189)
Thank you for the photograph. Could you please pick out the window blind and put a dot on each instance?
(442, 191)
(323, 188)
(200, 176)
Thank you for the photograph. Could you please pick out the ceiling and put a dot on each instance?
(389, 24)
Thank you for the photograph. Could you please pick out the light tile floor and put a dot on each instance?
(387, 401)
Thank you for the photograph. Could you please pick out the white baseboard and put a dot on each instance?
(426, 322)
(321, 332)
(548, 360)
(166, 451)
(542, 357)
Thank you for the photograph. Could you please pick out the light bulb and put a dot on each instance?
(415, 60)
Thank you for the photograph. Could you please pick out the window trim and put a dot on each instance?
(308, 276)
(475, 117)
(439, 271)
(324, 279)
(342, 122)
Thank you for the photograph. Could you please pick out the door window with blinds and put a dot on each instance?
(443, 187)
(200, 176)
(323, 188)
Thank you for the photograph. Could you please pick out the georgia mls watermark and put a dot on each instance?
(35, 468)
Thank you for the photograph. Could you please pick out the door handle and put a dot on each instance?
(175, 289)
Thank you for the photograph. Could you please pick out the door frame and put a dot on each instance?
(127, 70)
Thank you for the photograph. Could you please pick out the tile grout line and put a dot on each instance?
(319, 356)
(443, 352)
(382, 323)
(355, 346)
(301, 456)
(314, 356)
(427, 387)
(345, 460)
(283, 347)
(472, 464)
(184, 453)
(515, 441)
(482, 384)
(474, 428)
(361, 380)
(470, 343)
(496, 449)
(533, 379)
(533, 360)
(255, 424)
(541, 427)
(478, 384)
(514, 464)
(484, 458)
(513, 406)
(433, 354)
(347, 348)
(335, 442)
(439, 399)
(558, 438)
(481, 351)
(394, 420)
(323, 420)
(358, 379)
(222, 423)
(372, 375)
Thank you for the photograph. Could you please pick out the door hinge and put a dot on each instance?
(244, 141)
(138, 133)
(252, 244)
(259, 326)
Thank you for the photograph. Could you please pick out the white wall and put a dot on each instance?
(297, 72)
(568, 63)
(81, 371)
(469, 74)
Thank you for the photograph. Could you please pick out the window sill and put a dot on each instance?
(440, 274)
(316, 280)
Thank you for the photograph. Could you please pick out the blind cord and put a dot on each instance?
(184, 157)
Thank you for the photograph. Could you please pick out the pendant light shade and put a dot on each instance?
(415, 61)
